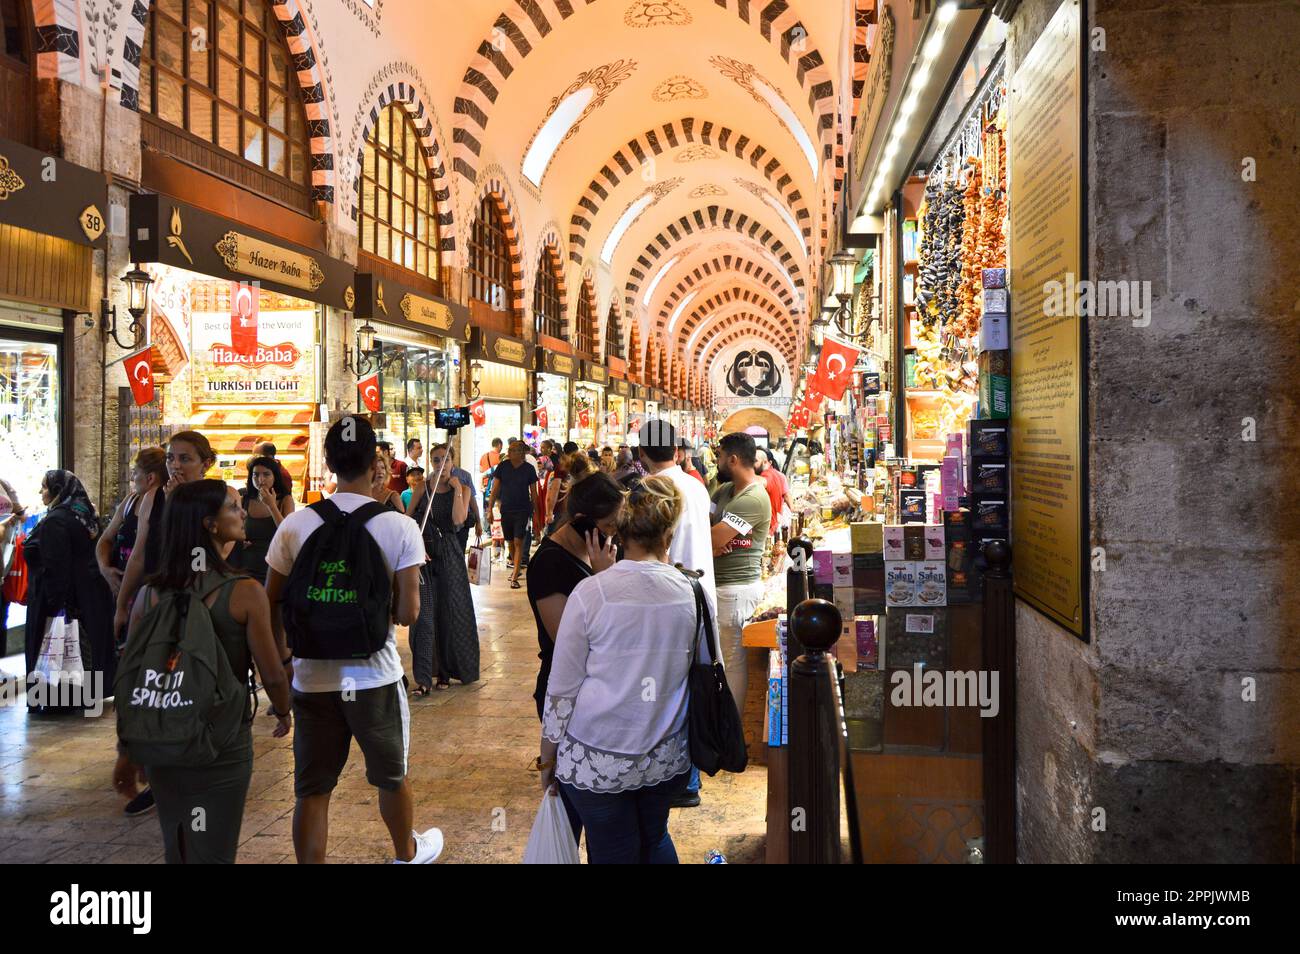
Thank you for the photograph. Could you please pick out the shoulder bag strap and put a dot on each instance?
(711, 637)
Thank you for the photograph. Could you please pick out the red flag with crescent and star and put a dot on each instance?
(835, 369)
(478, 411)
(543, 419)
(139, 372)
(584, 417)
(369, 389)
(800, 416)
(813, 399)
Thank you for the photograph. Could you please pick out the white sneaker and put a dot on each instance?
(427, 848)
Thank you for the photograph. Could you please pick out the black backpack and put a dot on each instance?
(338, 600)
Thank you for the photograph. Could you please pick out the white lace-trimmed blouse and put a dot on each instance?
(616, 700)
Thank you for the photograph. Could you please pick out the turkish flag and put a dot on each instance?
(243, 319)
(612, 419)
(543, 419)
(369, 388)
(813, 399)
(800, 416)
(835, 369)
(139, 372)
(634, 424)
(584, 418)
(478, 411)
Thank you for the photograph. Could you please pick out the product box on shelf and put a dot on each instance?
(995, 384)
(989, 440)
(894, 536)
(866, 538)
(911, 504)
(864, 630)
(995, 332)
(900, 584)
(914, 542)
(989, 516)
(934, 542)
(841, 570)
(776, 704)
(931, 584)
(917, 636)
(994, 277)
(996, 301)
(868, 585)
(843, 600)
(823, 566)
(989, 477)
(950, 483)
(962, 575)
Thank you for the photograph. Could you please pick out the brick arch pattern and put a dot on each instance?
(57, 39)
(703, 277)
(702, 220)
(772, 331)
(587, 289)
(311, 83)
(729, 300)
(405, 93)
(865, 15)
(496, 189)
(518, 29)
(634, 348)
(629, 159)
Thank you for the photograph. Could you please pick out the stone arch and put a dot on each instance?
(494, 187)
(405, 93)
(721, 324)
(721, 268)
(517, 31)
(629, 159)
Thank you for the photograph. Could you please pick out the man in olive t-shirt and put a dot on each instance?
(741, 513)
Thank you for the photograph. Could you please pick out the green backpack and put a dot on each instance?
(178, 701)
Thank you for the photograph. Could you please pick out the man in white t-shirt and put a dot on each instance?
(337, 700)
(692, 542)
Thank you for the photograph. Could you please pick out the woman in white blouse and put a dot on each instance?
(614, 720)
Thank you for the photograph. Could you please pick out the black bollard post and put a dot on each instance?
(999, 732)
(814, 757)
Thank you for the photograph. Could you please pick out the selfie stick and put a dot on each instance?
(428, 494)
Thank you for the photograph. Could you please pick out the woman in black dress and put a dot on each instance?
(116, 543)
(65, 580)
(267, 500)
(445, 637)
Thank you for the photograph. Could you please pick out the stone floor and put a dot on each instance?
(470, 747)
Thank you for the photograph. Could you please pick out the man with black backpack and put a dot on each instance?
(335, 594)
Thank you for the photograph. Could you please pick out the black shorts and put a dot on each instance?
(325, 725)
(514, 526)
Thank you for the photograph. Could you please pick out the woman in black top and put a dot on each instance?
(116, 543)
(65, 580)
(445, 636)
(267, 500)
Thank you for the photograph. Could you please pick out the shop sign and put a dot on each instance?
(553, 363)
(46, 194)
(247, 355)
(492, 346)
(622, 388)
(426, 311)
(595, 374)
(1048, 491)
(249, 256)
(874, 92)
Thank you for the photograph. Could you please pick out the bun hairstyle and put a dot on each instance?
(578, 465)
(153, 460)
(651, 513)
(199, 443)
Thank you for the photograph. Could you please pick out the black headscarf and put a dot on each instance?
(67, 492)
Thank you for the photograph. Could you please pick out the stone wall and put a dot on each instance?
(1192, 454)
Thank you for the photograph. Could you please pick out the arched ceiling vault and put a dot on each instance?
(748, 336)
(721, 324)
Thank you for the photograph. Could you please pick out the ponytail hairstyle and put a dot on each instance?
(578, 465)
(651, 514)
(153, 462)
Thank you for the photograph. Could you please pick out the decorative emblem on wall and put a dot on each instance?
(91, 221)
(10, 181)
(695, 153)
(349, 297)
(708, 189)
(175, 240)
(661, 189)
(754, 373)
(678, 87)
(665, 13)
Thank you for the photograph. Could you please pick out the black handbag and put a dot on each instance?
(717, 738)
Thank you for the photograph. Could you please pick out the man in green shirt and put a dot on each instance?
(740, 515)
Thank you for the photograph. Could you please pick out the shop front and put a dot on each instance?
(617, 397)
(500, 368)
(636, 412)
(553, 397)
(654, 397)
(52, 219)
(589, 403)
(236, 323)
(409, 345)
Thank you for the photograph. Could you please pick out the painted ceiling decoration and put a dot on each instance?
(666, 13)
(647, 200)
(585, 94)
(638, 158)
(679, 87)
(754, 373)
(707, 190)
(695, 154)
(767, 95)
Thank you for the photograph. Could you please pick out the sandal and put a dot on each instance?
(514, 584)
(443, 684)
(419, 692)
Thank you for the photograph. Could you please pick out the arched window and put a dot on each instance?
(489, 257)
(587, 320)
(220, 71)
(16, 95)
(614, 334)
(399, 218)
(548, 310)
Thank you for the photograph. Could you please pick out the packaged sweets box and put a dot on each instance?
(931, 584)
(989, 477)
(842, 569)
(864, 629)
(900, 584)
(823, 566)
(989, 440)
(989, 515)
(866, 538)
(917, 636)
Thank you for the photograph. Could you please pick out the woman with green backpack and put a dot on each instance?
(182, 694)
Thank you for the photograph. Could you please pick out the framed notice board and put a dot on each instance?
(1049, 500)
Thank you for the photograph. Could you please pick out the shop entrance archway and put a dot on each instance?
(755, 417)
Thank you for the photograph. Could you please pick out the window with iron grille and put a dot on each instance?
(586, 321)
(489, 257)
(399, 217)
(548, 310)
(220, 70)
(614, 335)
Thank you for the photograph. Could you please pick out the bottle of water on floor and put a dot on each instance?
(716, 858)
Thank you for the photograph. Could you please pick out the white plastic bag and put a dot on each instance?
(551, 841)
(480, 565)
(60, 658)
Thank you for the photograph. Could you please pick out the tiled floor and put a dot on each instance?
(469, 750)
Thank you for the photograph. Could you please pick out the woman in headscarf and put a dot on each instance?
(65, 578)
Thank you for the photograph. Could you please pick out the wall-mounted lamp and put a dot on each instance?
(475, 378)
(137, 282)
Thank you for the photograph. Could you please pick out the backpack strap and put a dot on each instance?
(208, 587)
(363, 515)
(329, 511)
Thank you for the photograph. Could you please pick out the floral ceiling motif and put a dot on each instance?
(695, 153)
(708, 189)
(666, 13)
(603, 79)
(678, 87)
